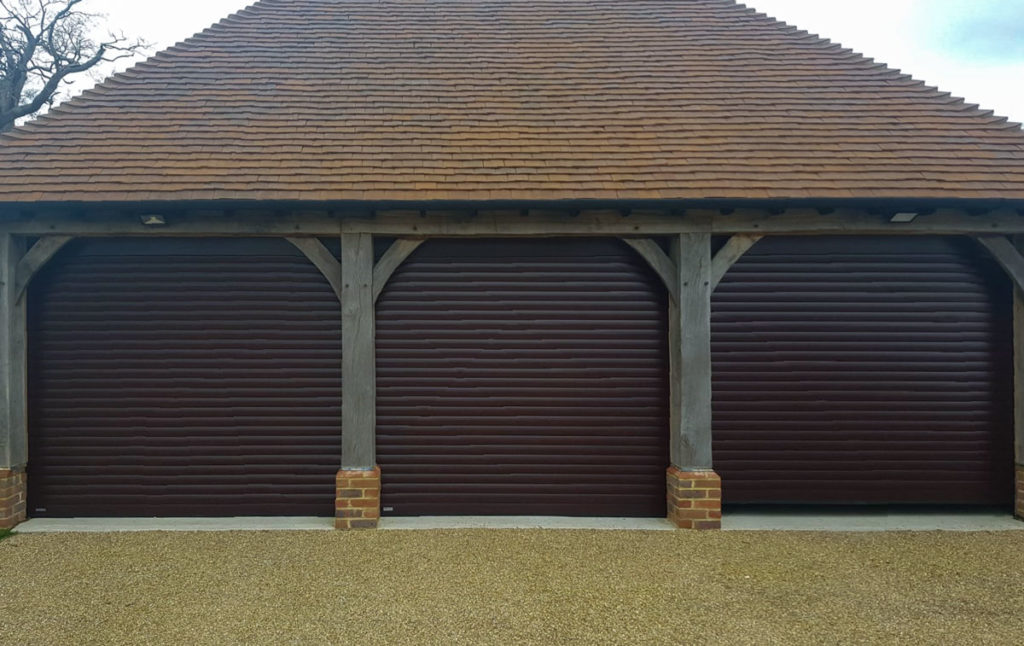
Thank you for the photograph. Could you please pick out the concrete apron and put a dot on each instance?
(736, 521)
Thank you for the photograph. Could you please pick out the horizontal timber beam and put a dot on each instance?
(188, 224)
(653, 223)
(511, 223)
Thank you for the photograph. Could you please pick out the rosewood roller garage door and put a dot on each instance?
(863, 370)
(523, 377)
(178, 377)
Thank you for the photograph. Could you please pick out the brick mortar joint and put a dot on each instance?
(694, 476)
(704, 472)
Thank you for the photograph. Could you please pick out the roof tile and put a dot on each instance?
(510, 99)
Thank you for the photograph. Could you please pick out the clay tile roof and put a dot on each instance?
(510, 99)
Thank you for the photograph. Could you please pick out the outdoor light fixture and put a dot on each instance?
(903, 218)
(153, 220)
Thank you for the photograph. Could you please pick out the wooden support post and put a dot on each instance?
(13, 371)
(358, 370)
(1018, 390)
(690, 353)
(694, 490)
(1009, 253)
(1018, 400)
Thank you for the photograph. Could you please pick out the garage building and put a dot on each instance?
(575, 258)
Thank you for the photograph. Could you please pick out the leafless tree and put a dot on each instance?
(43, 43)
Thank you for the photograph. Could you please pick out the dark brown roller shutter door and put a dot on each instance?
(183, 377)
(863, 370)
(523, 377)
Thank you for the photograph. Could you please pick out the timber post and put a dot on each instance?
(13, 373)
(1009, 253)
(1018, 391)
(357, 502)
(693, 488)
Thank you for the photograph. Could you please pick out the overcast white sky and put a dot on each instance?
(972, 48)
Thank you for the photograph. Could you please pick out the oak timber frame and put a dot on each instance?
(688, 270)
(13, 357)
(1009, 253)
(493, 222)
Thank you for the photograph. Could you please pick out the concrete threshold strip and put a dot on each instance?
(739, 521)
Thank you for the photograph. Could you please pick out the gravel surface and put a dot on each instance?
(512, 587)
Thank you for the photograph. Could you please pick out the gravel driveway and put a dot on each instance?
(511, 587)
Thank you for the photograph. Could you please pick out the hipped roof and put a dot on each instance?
(510, 100)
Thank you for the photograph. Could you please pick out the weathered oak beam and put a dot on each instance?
(41, 253)
(659, 261)
(533, 222)
(186, 224)
(1009, 253)
(322, 259)
(803, 221)
(792, 221)
(13, 359)
(727, 256)
(530, 223)
(1018, 375)
(397, 253)
(1018, 370)
(358, 370)
(690, 354)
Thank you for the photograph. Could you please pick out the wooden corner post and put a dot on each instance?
(1009, 253)
(13, 374)
(358, 370)
(1018, 390)
(13, 371)
(694, 489)
(358, 485)
(690, 350)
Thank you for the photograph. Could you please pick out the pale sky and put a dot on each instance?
(972, 48)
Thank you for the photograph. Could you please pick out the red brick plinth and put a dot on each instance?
(357, 499)
(694, 499)
(12, 498)
(1018, 509)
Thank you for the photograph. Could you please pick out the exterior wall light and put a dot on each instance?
(903, 218)
(153, 220)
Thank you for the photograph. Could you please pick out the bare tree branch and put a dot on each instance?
(42, 44)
